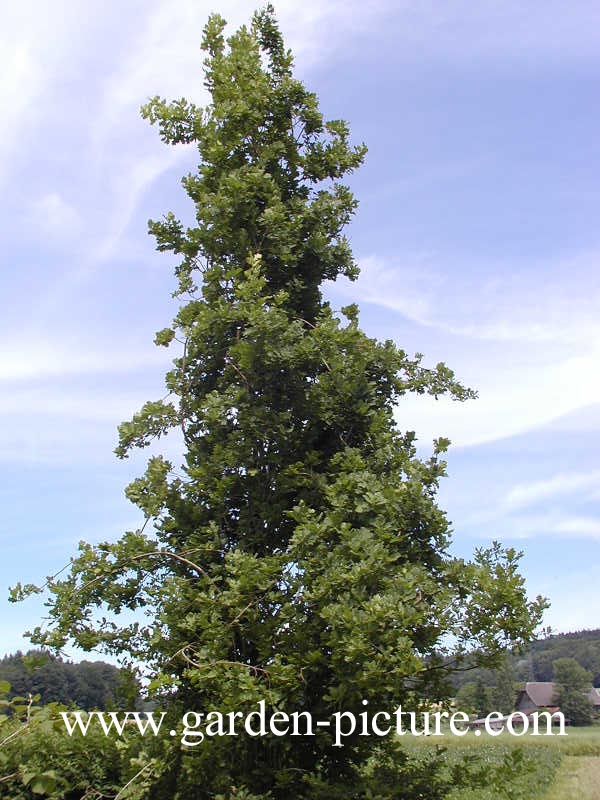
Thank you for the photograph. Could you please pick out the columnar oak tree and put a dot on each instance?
(298, 556)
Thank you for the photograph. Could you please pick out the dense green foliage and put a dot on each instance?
(87, 685)
(489, 688)
(298, 555)
(583, 646)
(486, 768)
(572, 691)
(501, 770)
(38, 759)
(477, 697)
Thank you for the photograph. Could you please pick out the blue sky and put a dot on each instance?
(477, 235)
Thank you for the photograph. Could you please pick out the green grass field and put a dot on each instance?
(521, 768)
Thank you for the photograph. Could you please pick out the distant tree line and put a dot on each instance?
(489, 690)
(572, 683)
(570, 660)
(535, 662)
(583, 646)
(86, 685)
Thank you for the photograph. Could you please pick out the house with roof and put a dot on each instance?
(538, 695)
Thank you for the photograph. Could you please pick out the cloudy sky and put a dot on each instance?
(477, 234)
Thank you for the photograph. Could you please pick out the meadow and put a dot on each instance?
(521, 768)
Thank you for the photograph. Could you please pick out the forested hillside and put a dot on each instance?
(484, 688)
(87, 685)
(583, 646)
(96, 684)
(535, 663)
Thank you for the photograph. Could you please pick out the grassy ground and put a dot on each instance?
(579, 773)
(578, 779)
(529, 767)
(577, 742)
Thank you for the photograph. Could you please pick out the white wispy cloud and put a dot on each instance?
(528, 340)
(121, 156)
(559, 524)
(129, 187)
(522, 303)
(20, 82)
(513, 399)
(36, 41)
(461, 30)
(42, 438)
(38, 404)
(162, 56)
(528, 494)
(582, 527)
(36, 360)
(55, 217)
